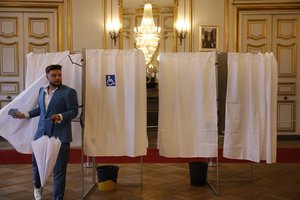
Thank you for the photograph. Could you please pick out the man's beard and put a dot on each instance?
(55, 84)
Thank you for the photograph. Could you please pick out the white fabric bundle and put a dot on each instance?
(251, 107)
(187, 105)
(115, 103)
(20, 133)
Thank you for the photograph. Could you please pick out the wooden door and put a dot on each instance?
(22, 32)
(286, 47)
(280, 34)
(11, 56)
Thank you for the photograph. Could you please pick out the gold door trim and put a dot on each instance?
(291, 122)
(294, 32)
(16, 29)
(16, 69)
(293, 48)
(286, 89)
(30, 26)
(257, 48)
(263, 35)
(239, 7)
(16, 91)
(45, 5)
(3, 103)
(31, 45)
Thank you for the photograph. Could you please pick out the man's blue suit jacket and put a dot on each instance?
(64, 102)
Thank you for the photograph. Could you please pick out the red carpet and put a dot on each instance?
(284, 155)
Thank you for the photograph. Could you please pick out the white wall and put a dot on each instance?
(87, 24)
(208, 12)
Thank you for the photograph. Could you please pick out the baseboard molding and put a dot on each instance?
(284, 155)
(288, 137)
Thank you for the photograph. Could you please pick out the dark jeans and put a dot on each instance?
(59, 172)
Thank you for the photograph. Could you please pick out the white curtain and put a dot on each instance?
(187, 125)
(37, 63)
(20, 133)
(251, 107)
(115, 99)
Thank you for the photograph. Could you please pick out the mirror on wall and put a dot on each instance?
(163, 17)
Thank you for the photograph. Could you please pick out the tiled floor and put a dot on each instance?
(166, 181)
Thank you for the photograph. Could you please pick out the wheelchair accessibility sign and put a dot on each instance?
(110, 80)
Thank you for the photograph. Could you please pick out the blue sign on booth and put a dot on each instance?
(110, 80)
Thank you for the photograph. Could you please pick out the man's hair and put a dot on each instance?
(52, 67)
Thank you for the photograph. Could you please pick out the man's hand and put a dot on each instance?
(55, 118)
(19, 115)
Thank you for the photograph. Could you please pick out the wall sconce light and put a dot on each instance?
(114, 31)
(181, 31)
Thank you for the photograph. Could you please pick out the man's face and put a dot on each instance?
(54, 77)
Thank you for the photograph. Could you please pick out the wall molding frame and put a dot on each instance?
(240, 6)
(56, 5)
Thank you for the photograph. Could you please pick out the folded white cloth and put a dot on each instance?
(251, 107)
(115, 106)
(187, 125)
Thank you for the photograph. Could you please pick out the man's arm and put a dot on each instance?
(35, 112)
(18, 115)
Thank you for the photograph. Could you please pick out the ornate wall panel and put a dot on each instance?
(287, 89)
(168, 22)
(127, 23)
(11, 56)
(26, 27)
(127, 32)
(38, 27)
(257, 29)
(39, 48)
(278, 32)
(287, 28)
(286, 116)
(8, 27)
(167, 41)
(39, 37)
(9, 63)
(286, 57)
(254, 34)
(256, 48)
(167, 37)
(4, 103)
(9, 87)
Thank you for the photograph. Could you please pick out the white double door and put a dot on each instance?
(22, 31)
(279, 33)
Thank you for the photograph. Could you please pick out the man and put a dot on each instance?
(57, 104)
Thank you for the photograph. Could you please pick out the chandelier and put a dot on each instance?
(147, 34)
